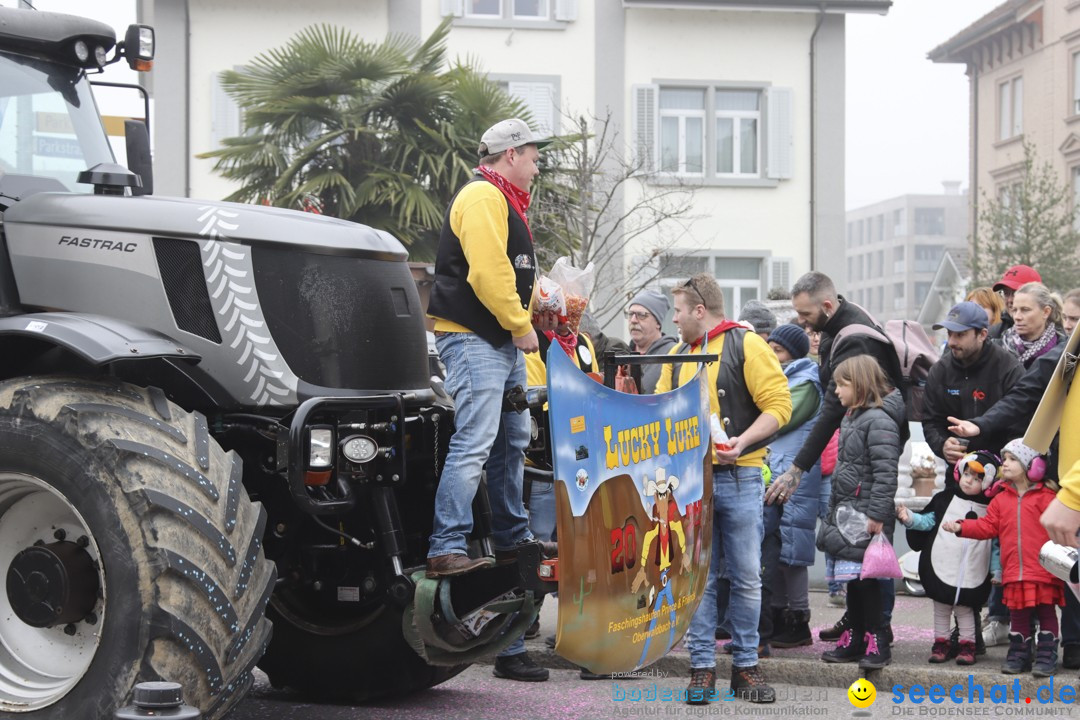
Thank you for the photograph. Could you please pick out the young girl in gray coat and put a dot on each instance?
(864, 482)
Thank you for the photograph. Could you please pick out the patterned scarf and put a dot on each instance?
(568, 342)
(1028, 351)
(519, 199)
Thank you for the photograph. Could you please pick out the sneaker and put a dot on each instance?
(939, 653)
(886, 634)
(980, 645)
(838, 599)
(534, 629)
(749, 683)
(796, 632)
(1018, 659)
(1046, 655)
(834, 632)
(995, 632)
(878, 654)
(519, 667)
(966, 653)
(702, 687)
(550, 641)
(1070, 656)
(846, 650)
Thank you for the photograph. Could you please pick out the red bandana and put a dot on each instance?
(519, 199)
(568, 342)
(714, 333)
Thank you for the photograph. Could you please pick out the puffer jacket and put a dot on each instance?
(799, 518)
(865, 475)
(1014, 520)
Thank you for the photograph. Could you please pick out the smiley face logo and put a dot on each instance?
(862, 693)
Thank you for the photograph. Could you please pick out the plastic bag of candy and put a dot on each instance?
(577, 286)
(549, 297)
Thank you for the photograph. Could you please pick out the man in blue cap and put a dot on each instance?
(965, 383)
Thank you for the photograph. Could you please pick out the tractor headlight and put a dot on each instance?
(100, 56)
(359, 448)
(321, 447)
(139, 47)
(82, 51)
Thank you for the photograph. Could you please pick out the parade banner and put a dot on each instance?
(633, 493)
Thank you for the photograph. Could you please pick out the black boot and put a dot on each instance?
(980, 644)
(1018, 659)
(838, 629)
(1046, 655)
(878, 653)
(850, 647)
(796, 632)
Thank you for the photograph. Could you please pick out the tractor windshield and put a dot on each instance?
(49, 126)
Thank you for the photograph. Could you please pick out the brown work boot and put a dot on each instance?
(454, 564)
(702, 687)
(749, 683)
(548, 550)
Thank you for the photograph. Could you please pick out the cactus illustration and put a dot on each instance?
(579, 597)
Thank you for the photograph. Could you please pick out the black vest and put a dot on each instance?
(736, 402)
(453, 299)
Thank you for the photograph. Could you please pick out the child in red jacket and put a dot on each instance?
(1013, 518)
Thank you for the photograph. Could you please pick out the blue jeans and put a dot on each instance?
(542, 510)
(737, 534)
(477, 377)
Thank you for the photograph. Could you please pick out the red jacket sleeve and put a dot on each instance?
(985, 527)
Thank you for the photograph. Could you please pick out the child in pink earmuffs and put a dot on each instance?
(1013, 517)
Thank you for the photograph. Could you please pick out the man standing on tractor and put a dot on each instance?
(484, 272)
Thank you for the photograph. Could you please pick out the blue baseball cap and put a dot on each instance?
(965, 316)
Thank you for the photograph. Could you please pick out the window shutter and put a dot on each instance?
(540, 99)
(644, 114)
(225, 121)
(780, 132)
(780, 273)
(452, 7)
(566, 10)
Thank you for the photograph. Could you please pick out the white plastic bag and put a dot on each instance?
(852, 524)
(577, 286)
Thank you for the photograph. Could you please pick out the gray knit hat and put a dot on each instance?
(761, 317)
(654, 301)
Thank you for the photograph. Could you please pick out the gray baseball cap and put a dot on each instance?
(507, 134)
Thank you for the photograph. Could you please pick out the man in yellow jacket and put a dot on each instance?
(484, 272)
(1062, 518)
(749, 392)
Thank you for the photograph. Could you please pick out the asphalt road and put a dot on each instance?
(476, 695)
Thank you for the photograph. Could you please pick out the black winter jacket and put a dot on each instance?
(832, 412)
(865, 475)
(966, 393)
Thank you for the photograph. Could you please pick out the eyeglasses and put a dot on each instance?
(635, 315)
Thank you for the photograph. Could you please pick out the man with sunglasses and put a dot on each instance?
(646, 315)
(749, 392)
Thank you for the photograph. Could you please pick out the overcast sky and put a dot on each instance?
(907, 118)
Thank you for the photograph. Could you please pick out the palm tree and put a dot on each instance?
(380, 134)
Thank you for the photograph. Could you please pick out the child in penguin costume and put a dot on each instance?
(955, 571)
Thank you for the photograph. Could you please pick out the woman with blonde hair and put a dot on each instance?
(1036, 326)
(990, 301)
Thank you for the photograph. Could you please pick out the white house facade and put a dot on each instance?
(742, 100)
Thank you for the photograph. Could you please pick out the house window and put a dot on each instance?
(880, 306)
(897, 223)
(739, 278)
(531, 9)
(1010, 108)
(880, 227)
(927, 259)
(922, 289)
(715, 132)
(1076, 83)
(682, 131)
(898, 299)
(1076, 197)
(929, 221)
(483, 8)
(738, 116)
(898, 259)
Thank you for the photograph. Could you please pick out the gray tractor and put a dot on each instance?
(220, 437)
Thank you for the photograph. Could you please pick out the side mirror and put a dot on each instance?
(139, 47)
(139, 161)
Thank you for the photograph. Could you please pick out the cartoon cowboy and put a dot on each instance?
(665, 513)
